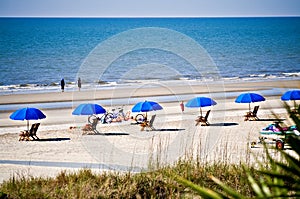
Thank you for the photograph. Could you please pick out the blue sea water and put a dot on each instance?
(39, 52)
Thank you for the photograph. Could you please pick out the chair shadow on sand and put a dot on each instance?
(224, 124)
(115, 134)
(108, 134)
(167, 129)
(121, 133)
(51, 139)
(271, 120)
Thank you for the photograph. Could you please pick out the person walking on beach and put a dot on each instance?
(182, 106)
(79, 83)
(62, 85)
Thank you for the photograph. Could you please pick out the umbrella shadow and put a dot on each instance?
(270, 119)
(109, 134)
(115, 134)
(224, 124)
(51, 139)
(135, 123)
(169, 129)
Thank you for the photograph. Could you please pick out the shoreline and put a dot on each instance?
(229, 95)
(158, 89)
(29, 88)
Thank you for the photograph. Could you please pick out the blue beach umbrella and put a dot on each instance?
(291, 95)
(249, 98)
(146, 106)
(27, 114)
(88, 109)
(199, 102)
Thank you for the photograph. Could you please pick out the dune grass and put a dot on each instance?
(153, 184)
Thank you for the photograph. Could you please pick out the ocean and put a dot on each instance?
(36, 53)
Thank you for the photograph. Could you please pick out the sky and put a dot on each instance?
(149, 8)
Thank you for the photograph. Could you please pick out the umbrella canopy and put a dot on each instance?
(249, 98)
(291, 95)
(27, 114)
(146, 106)
(88, 109)
(200, 102)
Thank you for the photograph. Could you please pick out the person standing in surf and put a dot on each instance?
(79, 83)
(62, 85)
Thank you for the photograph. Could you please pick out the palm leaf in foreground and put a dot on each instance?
(281, 179)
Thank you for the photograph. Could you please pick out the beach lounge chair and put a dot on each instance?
(33, 133)
(252, 115)
(91, 126)
(203, 120)
(148, 124)
(25, 135)
(94, 125)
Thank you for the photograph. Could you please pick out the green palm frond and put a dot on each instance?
(229, 191)
(281, 178)
(204, 192)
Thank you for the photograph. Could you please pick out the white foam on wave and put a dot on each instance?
(30, 88)
(296, 74)
(258, 75)
(72, 86)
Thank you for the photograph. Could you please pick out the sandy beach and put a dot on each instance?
(123, 147)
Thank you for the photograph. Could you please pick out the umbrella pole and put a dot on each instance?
(27, 125)
(249, 108)
(200, 112)
(295, 104)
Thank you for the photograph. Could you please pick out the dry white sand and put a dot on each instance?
(124, 147)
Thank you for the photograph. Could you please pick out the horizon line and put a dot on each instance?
(223, 16)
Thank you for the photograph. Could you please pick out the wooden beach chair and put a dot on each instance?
(91, 126)
(148, 124)
(94, 125)
(203, 120)
(33, 133)
(25, 135)
(252, 115)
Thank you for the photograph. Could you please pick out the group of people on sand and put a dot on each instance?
(63, 84)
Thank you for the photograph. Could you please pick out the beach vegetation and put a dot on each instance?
(154, 184)
(279, 178)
